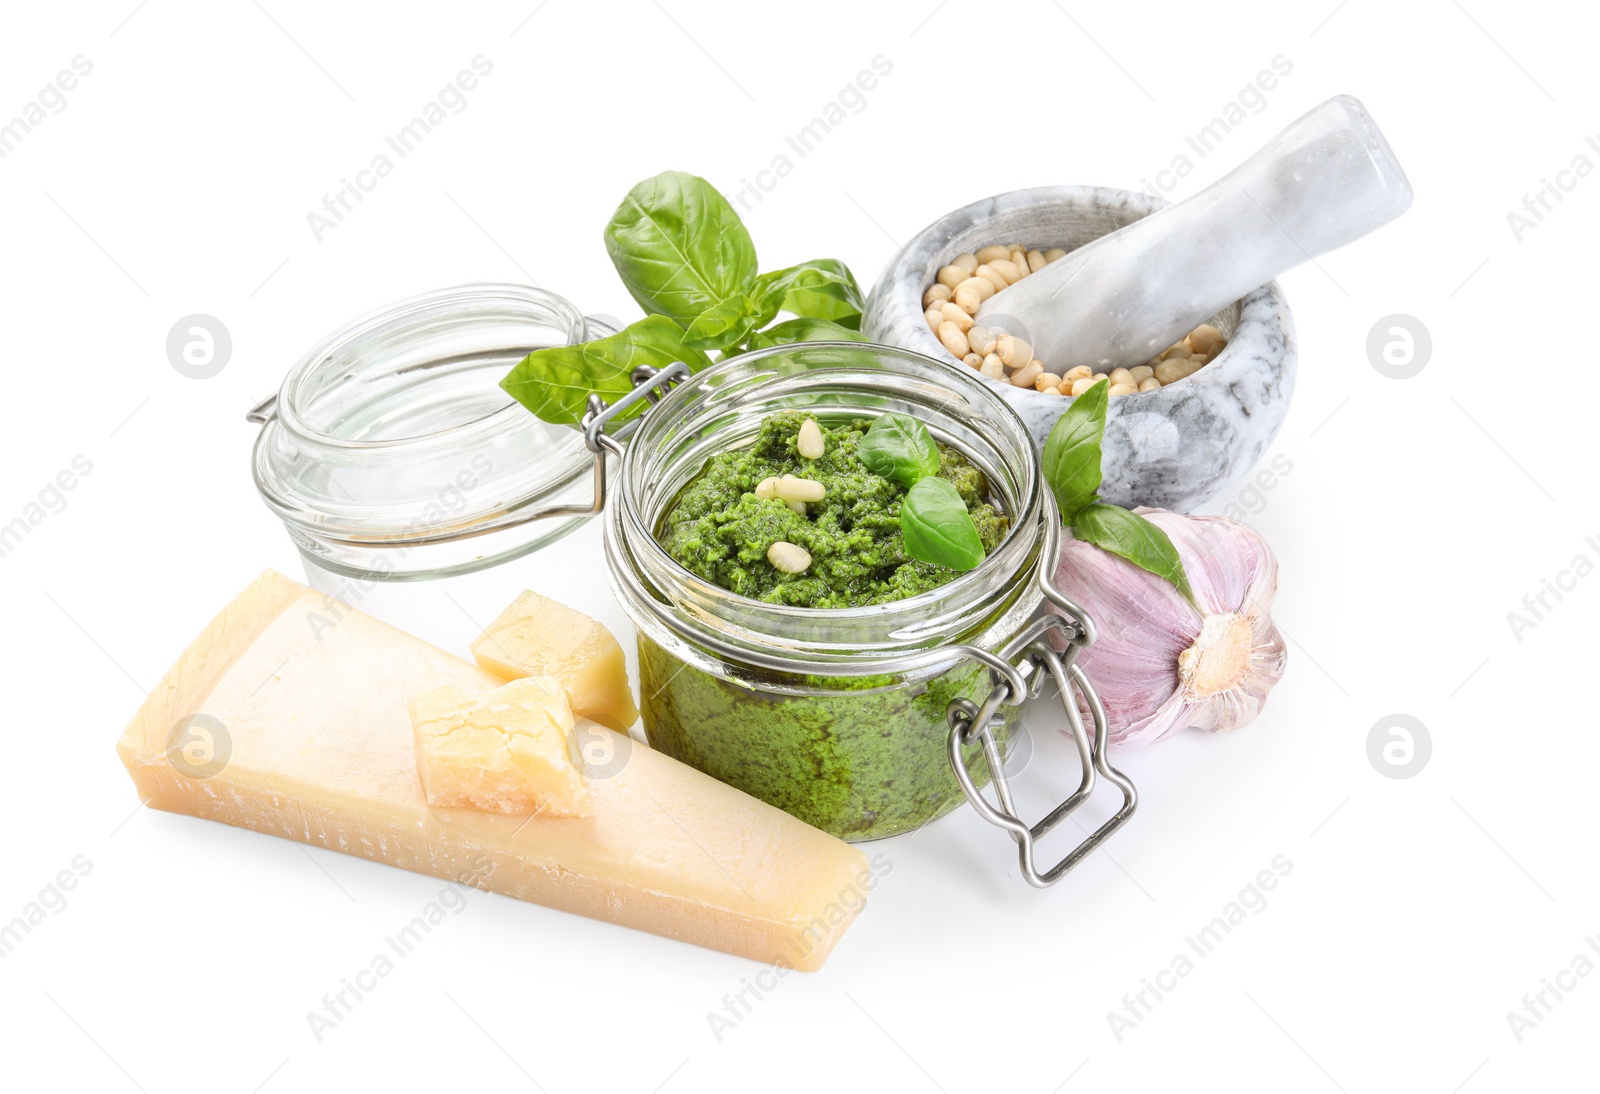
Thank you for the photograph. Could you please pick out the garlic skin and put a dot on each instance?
(1159, 665)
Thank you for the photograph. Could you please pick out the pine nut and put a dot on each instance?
(934, 317)
(1206, 339)
(1007, 270)
(937, 294)
(954, 314)
(1122, 376)
(1077, 372)
(973, 360)
(1013, 351)
(1149, 383)
(1141, 373)
(1123, 389)
(973, 292)
(1180, 350)
(1170, 372)
(968, 262)
(993, 368)
(981, 339)
(992, 251)
(791, 488)
(1036, 261)
(810, 443)
(1046, 380)
(786, 558)
(1080, 386)
(1054, 253)
(953, 339)
(1025, 377)
(796, 507)
(952, 275)
(767, 489)
(992, 276)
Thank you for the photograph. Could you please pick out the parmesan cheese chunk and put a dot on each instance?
(304, 733)
(508, 751)
(536, 636)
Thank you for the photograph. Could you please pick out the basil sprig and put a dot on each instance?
(1071, 461)
(1071, 467)
(937, 528)
(686, 257)
(934, 521)
(823, 288)
(900, 448)
(679, 247)
(555, 383)
(1128, 535)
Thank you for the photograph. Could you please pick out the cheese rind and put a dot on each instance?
(318, 747)
(536, 636)
(506, 751)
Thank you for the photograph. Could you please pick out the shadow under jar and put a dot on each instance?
(837, 716)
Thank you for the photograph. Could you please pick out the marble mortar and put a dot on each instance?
(1173, 448)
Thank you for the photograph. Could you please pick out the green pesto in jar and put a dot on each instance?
(720, 531)
(859, 757)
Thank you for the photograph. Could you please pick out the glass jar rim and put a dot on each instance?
(292, 413)
(933, 617)
(389, 346)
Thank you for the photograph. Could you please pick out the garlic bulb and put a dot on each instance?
(1160, 665)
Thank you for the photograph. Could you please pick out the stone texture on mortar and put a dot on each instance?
(1173, 448)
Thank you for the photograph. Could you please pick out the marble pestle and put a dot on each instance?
(1327, 179)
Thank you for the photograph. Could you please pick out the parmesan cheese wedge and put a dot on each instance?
(272, 724)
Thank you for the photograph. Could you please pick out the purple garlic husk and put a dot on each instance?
(1162, 664)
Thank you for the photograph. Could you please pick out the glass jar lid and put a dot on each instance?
(391, 448)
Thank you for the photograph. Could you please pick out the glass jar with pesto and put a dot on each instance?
(831, 700)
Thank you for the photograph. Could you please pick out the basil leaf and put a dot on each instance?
(937, 527)
(726, 325)
(791, 331)
(1130, 536)
(555, 383)
(679, 246)
(900, 448)
(1071, 462)
(823, 288)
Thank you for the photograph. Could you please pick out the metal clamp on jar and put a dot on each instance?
(871, 721)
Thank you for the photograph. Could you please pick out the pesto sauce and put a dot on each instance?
(858, 764)
(861, 758)
(720, 531)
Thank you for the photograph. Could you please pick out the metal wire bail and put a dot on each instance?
(972, 725)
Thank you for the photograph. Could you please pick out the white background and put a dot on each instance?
(1417, 514)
